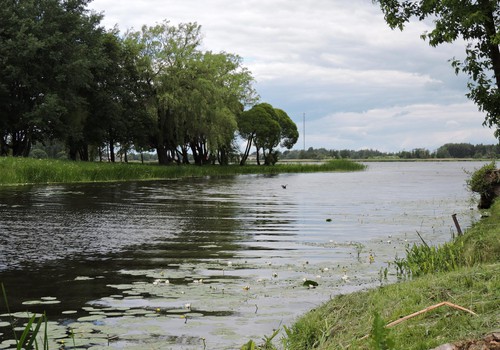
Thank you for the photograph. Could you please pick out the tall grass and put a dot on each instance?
(481, 244)
(36, 171)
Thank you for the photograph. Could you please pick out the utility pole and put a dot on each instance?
(304, 129)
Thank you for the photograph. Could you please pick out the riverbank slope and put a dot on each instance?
(348, 321)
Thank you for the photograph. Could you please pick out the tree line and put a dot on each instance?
(449, 150)
(64, 79)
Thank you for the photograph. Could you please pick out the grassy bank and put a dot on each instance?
(34, 171)
(472, 282)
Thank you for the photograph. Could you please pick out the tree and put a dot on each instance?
(475, 21)
(266, 127)
(163, 55)
(46, 48)
(192, 97)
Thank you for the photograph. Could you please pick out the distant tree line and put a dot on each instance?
(66, 81)
(449, 150)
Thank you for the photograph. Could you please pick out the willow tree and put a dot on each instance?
(163, 52)
(192, 96)
(477, 22)
(266, 127)
(221, 89)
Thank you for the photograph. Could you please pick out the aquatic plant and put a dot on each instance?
(34, 171)
(28, 338)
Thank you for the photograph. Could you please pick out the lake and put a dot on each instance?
(213, 262)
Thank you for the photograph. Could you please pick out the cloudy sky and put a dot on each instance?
(336, 62)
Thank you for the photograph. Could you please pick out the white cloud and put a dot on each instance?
(359, 82)
(399, 128)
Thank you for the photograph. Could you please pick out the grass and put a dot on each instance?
(37, 171)
(465, 272)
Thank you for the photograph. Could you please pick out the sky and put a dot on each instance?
(342, 75)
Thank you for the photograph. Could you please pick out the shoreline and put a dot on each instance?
(348, 321)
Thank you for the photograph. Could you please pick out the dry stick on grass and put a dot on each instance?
(427, 309)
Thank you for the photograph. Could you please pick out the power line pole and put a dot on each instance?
(304, 129)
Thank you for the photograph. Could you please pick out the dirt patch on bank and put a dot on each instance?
(489, 342)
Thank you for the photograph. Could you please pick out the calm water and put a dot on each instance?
(212, 262)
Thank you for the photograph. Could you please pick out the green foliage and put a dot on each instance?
(28, 338)
(344, 321)
(266, 127)
(266, 345)
(28, 170)
(480, 244)
(474, 22)
(449, 150)
(424, 259)
(249, 346)
(380, 337)
(480, 180)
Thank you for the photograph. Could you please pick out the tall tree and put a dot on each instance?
(192, 96)
(266, 127)
(164, 51)
(46, 49)
(475, 21)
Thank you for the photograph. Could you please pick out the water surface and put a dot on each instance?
(211, 262)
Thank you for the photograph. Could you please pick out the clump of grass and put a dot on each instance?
(36, 171)
(481, 244)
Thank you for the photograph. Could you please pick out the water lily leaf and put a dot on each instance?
(91, 318)
(69, 312)
(83, 278)
(26, 315)
(309, 283)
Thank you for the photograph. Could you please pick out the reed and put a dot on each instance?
(37, 171)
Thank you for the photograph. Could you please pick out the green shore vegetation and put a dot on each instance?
(15, 170)
(463, 272)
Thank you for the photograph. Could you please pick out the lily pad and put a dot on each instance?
(91, 318)
(69, 312)
(309, 283)
(83, 278)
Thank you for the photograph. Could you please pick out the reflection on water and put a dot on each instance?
(234, 249)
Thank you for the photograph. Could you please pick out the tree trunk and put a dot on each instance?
(4, 148)
(491, 31)
(83, 152)
(185, 155)
(244, 157)
(112, 150)
(258, 158)
(162, 152)
(21, 144)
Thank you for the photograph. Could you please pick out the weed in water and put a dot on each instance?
(28, 338)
